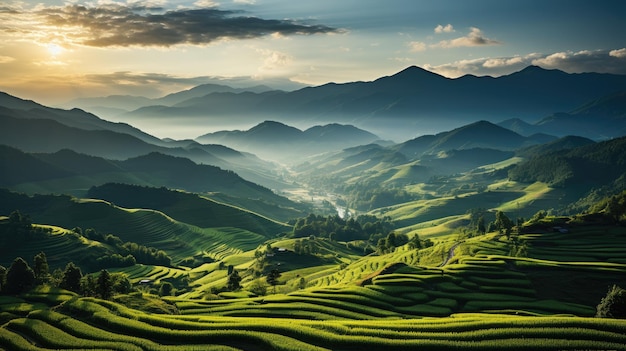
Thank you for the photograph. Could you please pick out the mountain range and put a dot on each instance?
(68, 172)
(35, 128)
(275, 140)
(408, 103)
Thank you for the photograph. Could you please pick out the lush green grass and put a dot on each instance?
(95, 324)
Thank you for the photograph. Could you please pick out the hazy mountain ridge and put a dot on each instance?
(26, 109)
(119, 104)
(481, 134)
(69, 172)
(277, 140)
(47, 130)
(413, 99)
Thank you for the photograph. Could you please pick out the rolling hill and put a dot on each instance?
(183, 225)
(22, 130)
(481, 134)
(590, 165)
(68, 172)
(15, 107)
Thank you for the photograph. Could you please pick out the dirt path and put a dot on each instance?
(450, 254)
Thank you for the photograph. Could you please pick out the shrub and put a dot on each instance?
(613, 305)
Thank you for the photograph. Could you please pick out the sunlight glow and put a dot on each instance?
(54, 49)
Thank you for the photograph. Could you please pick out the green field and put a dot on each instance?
(85, 323)
(534, 290)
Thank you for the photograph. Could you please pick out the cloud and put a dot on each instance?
(448, 28)
(123, 25)
(6, 59)
(416, 46)
(474, 38)
(205, 3)
(621, 53)
(274, 60)
(603, 61)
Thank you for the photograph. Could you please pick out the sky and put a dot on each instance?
(53, 51)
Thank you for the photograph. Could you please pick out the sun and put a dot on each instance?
(54, 49)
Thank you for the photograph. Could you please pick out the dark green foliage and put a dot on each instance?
(503, 223)
(258, 288)
(115, 260)
(40, 268)
(366, 197)
(166, 289)
(121, 283)
(3, 278)
(104, 285)
(339, 229)
(20, 277)
(234, 281)
(147, 255)
(613, 207)
(589, 166)
(272, 278)
(88, 285)
(72, 276)
(129, 254)
(305, 246)
(393, 240)
(17, 229)
(613, 305)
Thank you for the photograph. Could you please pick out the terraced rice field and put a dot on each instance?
(99, 325)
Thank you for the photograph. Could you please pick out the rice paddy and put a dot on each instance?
(532, 291)
(85, 323)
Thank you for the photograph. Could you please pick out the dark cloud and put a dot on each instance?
(131, 26)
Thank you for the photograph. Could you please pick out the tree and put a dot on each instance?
(503, 223)
(3, 278)
(166, 289)
(20, 277)
(258, 288)
(88, 285)
(480, 226)
(272, 278)
(415, 242)
(40, 268)
(234, 281)
(613, 305)
(72, 276)
(121, 283)
(104, 285)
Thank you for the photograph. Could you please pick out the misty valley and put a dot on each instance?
(410, 212)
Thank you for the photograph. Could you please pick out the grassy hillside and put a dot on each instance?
(212, 231)
(486, 297)
(95, 324)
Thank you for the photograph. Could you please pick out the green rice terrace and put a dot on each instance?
(177, 280)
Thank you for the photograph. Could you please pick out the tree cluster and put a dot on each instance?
(21, 277)
(613, 207)
(18, 228)
(129, 254)
(339, 229)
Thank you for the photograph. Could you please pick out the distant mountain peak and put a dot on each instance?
(533, 69)
(415, 72)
